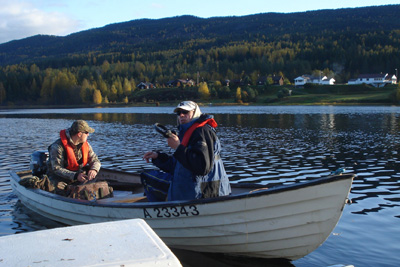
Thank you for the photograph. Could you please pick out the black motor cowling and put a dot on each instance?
(38, 164)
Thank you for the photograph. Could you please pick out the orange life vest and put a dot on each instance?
(188, 133)
(72, 162)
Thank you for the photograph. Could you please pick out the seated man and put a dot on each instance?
(71, 158)
(195, 170)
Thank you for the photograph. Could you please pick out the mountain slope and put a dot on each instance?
(171, 33)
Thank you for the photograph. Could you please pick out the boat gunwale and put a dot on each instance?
(267, 191)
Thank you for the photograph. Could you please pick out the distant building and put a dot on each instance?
(181, 82)
(145, 85)
(276, 80)
(376, 80)
(328, 81)
(323, 80)
(225, 82)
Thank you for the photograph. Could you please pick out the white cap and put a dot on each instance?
(186, 105)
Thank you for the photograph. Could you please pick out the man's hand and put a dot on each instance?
(173, 141)
(82, 177)
(150, 155)
(92, 174)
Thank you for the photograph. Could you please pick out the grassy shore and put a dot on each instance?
(311, 95)
(334, 95)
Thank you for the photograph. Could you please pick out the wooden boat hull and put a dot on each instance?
(284, 222)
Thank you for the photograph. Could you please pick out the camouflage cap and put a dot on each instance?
(81, 126)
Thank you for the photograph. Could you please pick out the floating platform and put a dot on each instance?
(118, 243)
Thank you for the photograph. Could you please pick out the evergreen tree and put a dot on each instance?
(2, 93)
(398, 93)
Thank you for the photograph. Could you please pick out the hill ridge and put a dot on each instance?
(165, 33)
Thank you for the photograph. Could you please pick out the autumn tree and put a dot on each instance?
(86, 91)
(239, 95)
(65, 85)
(46, 92)
(217, 85)
(133, 84)
(102, 86)
(203, 90)
(105, 67)
(127, 87)
(113, 94)
(117, 84)
(97, 98)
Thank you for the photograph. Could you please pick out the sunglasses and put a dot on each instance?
(184, 112)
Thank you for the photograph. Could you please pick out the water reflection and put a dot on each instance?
(269, 149)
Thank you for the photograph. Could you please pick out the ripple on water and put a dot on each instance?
(266, 149)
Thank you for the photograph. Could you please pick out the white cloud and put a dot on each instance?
(20, 19)
(157, 6)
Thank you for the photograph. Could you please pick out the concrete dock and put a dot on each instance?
(119, 243)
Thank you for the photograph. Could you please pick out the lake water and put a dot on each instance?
(266, 145)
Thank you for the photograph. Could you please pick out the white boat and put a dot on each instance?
(286, 222)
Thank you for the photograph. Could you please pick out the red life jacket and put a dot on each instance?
(72, 162)
(188, 134)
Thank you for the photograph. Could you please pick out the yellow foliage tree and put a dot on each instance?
(239, 95)
(105, 67)
(97, 98)
(127, 87)
(125, 100)
(133, 84)
(86, 91)
(203, 90)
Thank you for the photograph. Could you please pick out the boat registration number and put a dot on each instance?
(174, 211)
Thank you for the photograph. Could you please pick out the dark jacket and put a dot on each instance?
(197, 169)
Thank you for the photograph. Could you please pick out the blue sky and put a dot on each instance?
(24, 18)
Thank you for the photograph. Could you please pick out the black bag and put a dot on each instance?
(156, 185)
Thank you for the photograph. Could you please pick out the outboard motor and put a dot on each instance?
(38, 163)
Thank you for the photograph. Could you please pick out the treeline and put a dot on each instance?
(108, 83)
(106, 65)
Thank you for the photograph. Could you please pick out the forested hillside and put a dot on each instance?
(108, 62)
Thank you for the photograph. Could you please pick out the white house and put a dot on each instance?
(303, 79)
(328, 81)
(376, 80)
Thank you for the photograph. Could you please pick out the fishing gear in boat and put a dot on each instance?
(163, 130)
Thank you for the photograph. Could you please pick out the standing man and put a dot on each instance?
(195, 170)
(71, 158)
